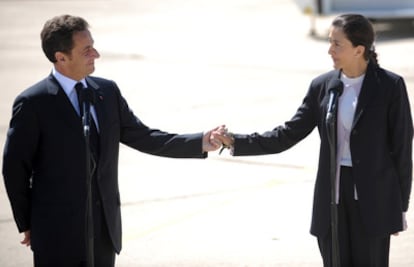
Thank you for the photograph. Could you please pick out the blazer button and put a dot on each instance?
(357, 161)
(354, 132)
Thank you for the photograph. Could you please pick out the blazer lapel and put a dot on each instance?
(63, 105)
(100, 112)
(366, 95)
(336, 74)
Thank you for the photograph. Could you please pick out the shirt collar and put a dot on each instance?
(67, 83)
(352, 81)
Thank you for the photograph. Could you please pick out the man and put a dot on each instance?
(44, 161)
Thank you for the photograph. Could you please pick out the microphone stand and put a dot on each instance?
(89, 233)
(331, 120)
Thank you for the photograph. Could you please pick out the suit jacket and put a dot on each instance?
(44, 162)
(380, 144)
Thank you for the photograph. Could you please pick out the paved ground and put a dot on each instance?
(187, 66)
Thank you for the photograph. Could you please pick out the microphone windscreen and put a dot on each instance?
(336, 85)
(89, 95)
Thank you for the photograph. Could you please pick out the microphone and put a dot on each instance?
(87, 97)
(335, 89)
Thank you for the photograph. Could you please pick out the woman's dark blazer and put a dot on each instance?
(380, 143)
(44, 162)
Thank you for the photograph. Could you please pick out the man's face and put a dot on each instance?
(80, 62)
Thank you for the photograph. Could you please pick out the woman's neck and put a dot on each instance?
(356, 70)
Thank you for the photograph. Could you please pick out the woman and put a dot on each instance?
(374, 147)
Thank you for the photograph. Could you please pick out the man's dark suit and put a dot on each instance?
(380, 142)
(44, 163)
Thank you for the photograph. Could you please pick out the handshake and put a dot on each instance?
(216, 138)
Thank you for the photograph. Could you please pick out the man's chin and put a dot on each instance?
(336, 67)
(91, 70)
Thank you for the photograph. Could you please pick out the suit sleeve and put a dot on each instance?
(282, 137)
(18, 155)
(136, 134)
(401, 135)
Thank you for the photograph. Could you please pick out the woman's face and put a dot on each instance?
(344, 55)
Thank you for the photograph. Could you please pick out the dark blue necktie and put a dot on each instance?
(93, 133)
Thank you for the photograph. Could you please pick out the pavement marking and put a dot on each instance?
(138, 234)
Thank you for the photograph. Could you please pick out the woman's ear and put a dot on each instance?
(359, 51)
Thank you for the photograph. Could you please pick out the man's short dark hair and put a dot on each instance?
(57, 34)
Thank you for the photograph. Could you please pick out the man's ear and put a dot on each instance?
(60, 57)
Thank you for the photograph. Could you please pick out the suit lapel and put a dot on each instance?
(336, 74)
(100, 111)
(366, 95)
(63, 106)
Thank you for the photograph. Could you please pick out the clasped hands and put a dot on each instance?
(216, 138)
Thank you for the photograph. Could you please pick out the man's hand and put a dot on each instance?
(209, 142)
(405, 224)
(26, 240)
(224, 137)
